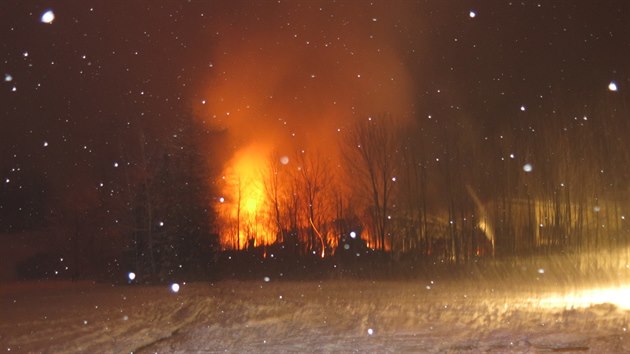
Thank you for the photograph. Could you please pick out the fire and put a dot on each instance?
(269, 198)
(243, 210)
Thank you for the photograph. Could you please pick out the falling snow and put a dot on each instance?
(144, 145)
(612, 86)
(175, 287)
(48, 17)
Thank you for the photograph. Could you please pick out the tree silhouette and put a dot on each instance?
(170, 206)
(372, 155)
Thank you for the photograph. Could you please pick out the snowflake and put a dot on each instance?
(48, 17)
(175, 287)
(612, 86)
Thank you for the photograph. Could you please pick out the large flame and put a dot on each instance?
(292, 87)
(242, 208)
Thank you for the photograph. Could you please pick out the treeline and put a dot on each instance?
(167, 217)
(148, 212)
(452, 190)
(426, 189)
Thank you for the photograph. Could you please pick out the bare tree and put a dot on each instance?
(372, 149)
(314, 173)
(167, 210)
(273, 185)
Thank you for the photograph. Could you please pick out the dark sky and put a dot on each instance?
(76, 92)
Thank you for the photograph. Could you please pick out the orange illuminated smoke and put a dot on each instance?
(243, 209)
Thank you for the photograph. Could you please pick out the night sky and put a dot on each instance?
(80, 88)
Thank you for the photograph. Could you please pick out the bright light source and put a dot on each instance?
(267, 279)
(48, 17)
(8, 77)
(245, 194)
(370, 331)
(612, 86)
(528, 167)
(353, 234)
(618, 296)
(131, 275)
(284, 160)
(522, 108)
(472, 14)
(174, 287)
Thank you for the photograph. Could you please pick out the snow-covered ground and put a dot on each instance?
(328, 316)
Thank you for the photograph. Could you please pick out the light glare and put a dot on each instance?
(618, 296)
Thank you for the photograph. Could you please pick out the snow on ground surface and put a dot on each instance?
(448, 316)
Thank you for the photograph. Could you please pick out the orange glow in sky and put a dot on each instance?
(285, 92)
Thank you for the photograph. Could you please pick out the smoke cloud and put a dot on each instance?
(295, 82)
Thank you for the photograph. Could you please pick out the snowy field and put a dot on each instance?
(316, 316)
